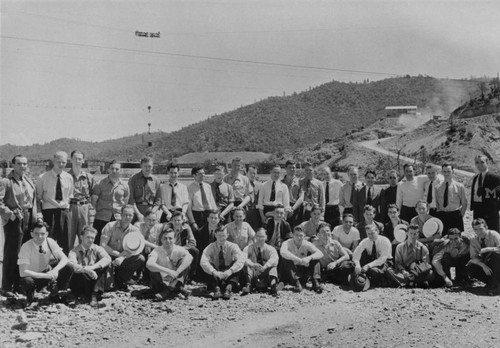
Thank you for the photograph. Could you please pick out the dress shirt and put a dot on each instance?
(254, 196)
(461, 249)
(310, 229)
(111, 197)
(195, 198)
(293, 188)
(226, 196)
(290, 251)
(233, 257)
(46, 190)
(435, 184)
(383, 247)
(313, 192)
(184, 237)
(457, 197)
(346, 191)
(172, 261)
(152, 234)
(332, 251)
(282, 194)
(407, 253)
(269, 254)
(410, 192)
(38, 262)
(181, 196)
(491, 240)
(83, 185)
(144, 190)
(242, 236)
(16, 194)
(334, 187)
(241, 186)
(95, 255)
(112, 235)
(346, 239)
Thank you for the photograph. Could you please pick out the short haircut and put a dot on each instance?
(370, 172)
(368, 207)
(175, 214)
(392, 206)
(447, 165)
(422, 201)
(481, 157)
(214, 211)
(239, 209)
(77, 152)
(60, 154)
(220, 228)
(236, 159)
(114, 162)
(347, 215)
(429, 166)
(166, 229)
(276, 165)
(127, 206)
(307, 164)
(220, 168)
(479, 221)
(454, 231)
(298, 229)
(324, 224)
(173, 166)
(279, 205)
(372, 227)
(392, 171)
(290, 163)
(252, 166)
(260, 230)
(327, 169)
(88, 229)
(316, 207)
(406, 165)
(40, 224)
(146, 159)
(148, 212)
(17, 156)
(413, 227)
(196, 169)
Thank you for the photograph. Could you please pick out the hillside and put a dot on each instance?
(278, 123)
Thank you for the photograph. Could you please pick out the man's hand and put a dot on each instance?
(92, 274)
(366, 268)
(305, 261)
(487, 270)
(331, 265)
(118, 261)
(448, 281)
(357, 270)
(53, 274)
(227, 274)
(218, 275)
(140, 217)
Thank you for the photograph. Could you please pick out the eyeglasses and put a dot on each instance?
(41, 251)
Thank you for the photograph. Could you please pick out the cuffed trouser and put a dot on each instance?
(492, 260)
(81, 283)
(293, 272)
(29, 284)
(126, 270)
(375, 274)
(212, 282)
(58, 220)
(78, 217)
(340, 274)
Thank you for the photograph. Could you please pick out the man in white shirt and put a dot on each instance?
(409, 192)
(201, 199)
(272, 193)
(174, 194)
(332, 197)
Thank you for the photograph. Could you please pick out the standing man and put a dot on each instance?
(223, 193)
(240, 183)
(79, 209)
(54, 190)
(292, 182)
(332, 197)
(430, 187)
(349, 190)
(409, 192)
(388, 196)
(174, 195)
(108, 198)
(18, 209)
(272, 193)
(253, 215)
(451, 201)
(367, 195)
(144, 190)
(201, 200)
(312, 193)
(484, 197)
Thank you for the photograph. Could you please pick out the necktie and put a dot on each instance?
(272, 198)
(327, 192)
(276, 234)
(429, 193)
(260, 260)
(480, 185)
(222, 262)
(483, 243)
(353, 190)
(218, 196)
(173, 197)
(59, 195)
(204, 199)
(40, 250)
(369, 196)
(374, 250)
(211, 236)
(445, 201)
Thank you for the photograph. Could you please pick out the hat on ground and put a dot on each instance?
(400, 233)
(359, 282)
(134, 243)
(432, 226)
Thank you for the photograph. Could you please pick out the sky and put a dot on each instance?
(76, 69)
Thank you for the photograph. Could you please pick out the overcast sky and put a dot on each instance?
(77, 69)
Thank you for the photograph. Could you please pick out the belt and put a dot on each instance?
(79, 202)
(144, 203)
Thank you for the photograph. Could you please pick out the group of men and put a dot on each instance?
(237, 233)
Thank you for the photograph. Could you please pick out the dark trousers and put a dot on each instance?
(253, 218)
(78, 217)
(159, 284)
(375, 274)
(195, 253)
(459, 263)
(233, 280)
(126, 270)
(451, 219)
(293, 218)
(340, 274)
(293, 272)
(58, 221)
(200, 217)
(407, 213)
(99, 225)
(492, 260)
(261, 281)
(332, 215)
(81, 283)
(29, 284)
(489, 213)
(303, 215)
(15, 236)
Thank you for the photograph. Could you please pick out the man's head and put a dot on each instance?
(454, 236)
(412, 233)
(177, 220)
(77, 158)
(409, 172)
(173, 172)
(298, 235)
(238, 215)
(369, 213)
(308, 171)
(147, 166)
(370, 176)
(40, 232)
(324, 232)
(316, 212)
(260, 237)
(114, 170)
(150, 218)
(59, 160)
(431, 172)
(236, 166)
(20, 163)
(279, 212)
(327, 174)
(447, 171)
(480, 227)
(353, 174)
(221, 235)
(347, 221)
(392, 178)
(198, 174)
(219, 174)
(290, 168)
(213, 218)
(275, 172)
(481, 163)
(88, 236)
(252, 172)
(372, 231)
(393, 211)
(167, 237)
(422, 207)
(127, 214)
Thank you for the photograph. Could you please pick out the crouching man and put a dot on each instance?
(43, 263)
(169, 265)
(261, 266)
(223, 262)
(90, 264)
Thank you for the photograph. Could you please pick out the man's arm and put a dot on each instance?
(286, 254)
(463, 199)
(385, 253)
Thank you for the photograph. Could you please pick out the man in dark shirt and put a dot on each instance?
(388, 195)
(144, 190)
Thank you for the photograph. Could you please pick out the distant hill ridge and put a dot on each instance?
(271, 125)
